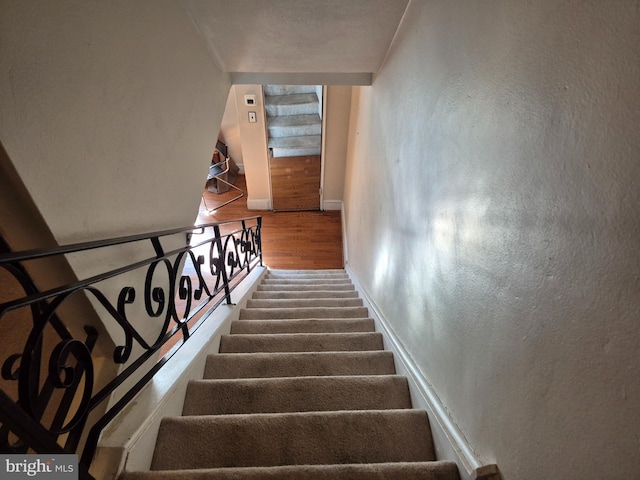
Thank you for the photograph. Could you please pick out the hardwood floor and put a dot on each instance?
(295, 182)
(290, 240)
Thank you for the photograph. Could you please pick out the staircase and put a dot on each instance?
(294, 125)
(301, 389)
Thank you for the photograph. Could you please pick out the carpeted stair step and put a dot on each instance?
(304, 288)
(301, 389)
(366, 471)
(294, 125)
(291, 294)
(303, 281)
(264, 365)
(294, 104)
(316, 274)
(300, 342)
(296, 394)
(303, 312)
(311, 438)
(311, 325)
(304, 302)
(288, 89)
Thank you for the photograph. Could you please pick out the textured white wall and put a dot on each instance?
(338, 105)
(493, 214)
(110, 112)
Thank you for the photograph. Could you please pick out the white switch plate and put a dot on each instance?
(253, 118)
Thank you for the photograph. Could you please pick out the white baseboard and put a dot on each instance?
(259, 203)
(332, 205)
(449, 442)
(129, 441)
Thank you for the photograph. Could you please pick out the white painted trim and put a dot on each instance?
(129, 441)
(449, 442)
(332, 205)
(323, 148)
(345, 250)
(258, 203)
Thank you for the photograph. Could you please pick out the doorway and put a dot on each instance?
(294, 129)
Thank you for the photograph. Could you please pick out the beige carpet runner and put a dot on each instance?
(301, 389)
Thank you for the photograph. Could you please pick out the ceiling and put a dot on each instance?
(340, 40)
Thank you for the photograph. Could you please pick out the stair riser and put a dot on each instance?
(301, 288)
(303, 394)
(271, 90)
(293, 109)
(276, 295)
(301, 343)
(305, 281)
(302, 326)
(305, 303)
(265, 365)
(293, 439)
(294, 152)
(378, 471)
(294, 130)
(304, 312)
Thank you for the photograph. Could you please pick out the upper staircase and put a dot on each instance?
(301, 389)
(294, 125)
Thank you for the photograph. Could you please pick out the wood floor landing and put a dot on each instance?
(290, 240)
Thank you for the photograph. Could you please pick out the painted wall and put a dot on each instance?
(110, 113)
(338, 107)
(493, 166)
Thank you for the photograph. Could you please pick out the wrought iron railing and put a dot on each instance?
(164, 295)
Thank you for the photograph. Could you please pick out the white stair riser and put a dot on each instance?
(288, 89)
(294, 130)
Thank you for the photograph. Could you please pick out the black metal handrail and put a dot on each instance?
(64, 376)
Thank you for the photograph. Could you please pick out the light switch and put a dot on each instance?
(253, 118)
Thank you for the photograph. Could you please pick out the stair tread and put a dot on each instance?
(307, 119)
(306, 281)
(277, 294)
(303, 312)
(296, 394)
(288, 89)
(308, 287)
(310, 325)
(303, 302)
(270, 439)
(300, 342)
(435, 470)
(292, 99)
(298, 141)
